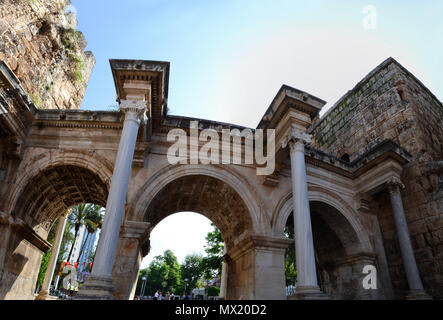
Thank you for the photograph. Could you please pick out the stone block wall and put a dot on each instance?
(40, 43)
(390, 103)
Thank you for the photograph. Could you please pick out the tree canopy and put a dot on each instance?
(212, 264)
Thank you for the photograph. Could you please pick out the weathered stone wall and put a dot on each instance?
(39, 42)
(390, 103)
(19, 274)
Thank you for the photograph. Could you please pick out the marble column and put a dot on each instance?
(44, 292)
(224, 277)
(413, 275)
(307, 285)
(99, 284)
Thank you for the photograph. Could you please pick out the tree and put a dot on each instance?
(290, 261)
(191, 270)
(213, 291)
(212, 264)
(164, 273)
(93, 221)
(77, 219)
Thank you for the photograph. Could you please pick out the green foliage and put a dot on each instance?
(93, 221)
(36, 101)
(69, 38)
(213, 291)
(67, 238)
(290, 261)
(43, 267)
(78, 65)
(164, 274)
(191, 270)
(83, 214)
(212, 264)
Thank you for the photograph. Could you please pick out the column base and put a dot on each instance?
(96, 288)
(418, 295)
(44, 295)
(309, 293)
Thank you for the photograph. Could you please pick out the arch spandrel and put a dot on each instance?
(220, 179)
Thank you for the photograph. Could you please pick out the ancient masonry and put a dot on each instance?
(390, 103)
(378, 150)
(41, 45)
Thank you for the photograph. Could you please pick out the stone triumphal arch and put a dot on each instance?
(51, 160)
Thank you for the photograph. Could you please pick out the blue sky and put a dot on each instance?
(229, 58)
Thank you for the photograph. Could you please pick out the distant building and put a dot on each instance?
(86, 248)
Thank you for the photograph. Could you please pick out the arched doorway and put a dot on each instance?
(341, 248)
(43, 197)
(229, 202)
(186, 251)
(212, 198)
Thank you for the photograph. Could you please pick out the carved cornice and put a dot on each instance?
(79, 125)
(257, 242)
(135, 229)
(25, 231)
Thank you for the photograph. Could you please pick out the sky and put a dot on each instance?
(229, 58)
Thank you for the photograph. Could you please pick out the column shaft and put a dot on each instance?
(44, 292)
(99, 284)
(107, 245)
(306, 269)
(407, 252)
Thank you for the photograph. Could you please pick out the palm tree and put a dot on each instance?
(77, 219)
(93, 222)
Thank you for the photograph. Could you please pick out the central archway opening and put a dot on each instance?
(184, 260)
(215, 199)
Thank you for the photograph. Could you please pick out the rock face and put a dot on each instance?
(390, 103)
(40, 43)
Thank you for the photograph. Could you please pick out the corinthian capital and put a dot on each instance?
(394, 185)
(133, 109)
(296, 137)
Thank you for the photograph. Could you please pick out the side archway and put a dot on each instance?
(99, 166)
(45, 189)
(341, 243)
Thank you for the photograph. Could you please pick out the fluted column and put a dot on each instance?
(99, 284)
(304, 244)
(407, 253)
(44, 292)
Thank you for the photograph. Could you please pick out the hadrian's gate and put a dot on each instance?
(348, 194)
